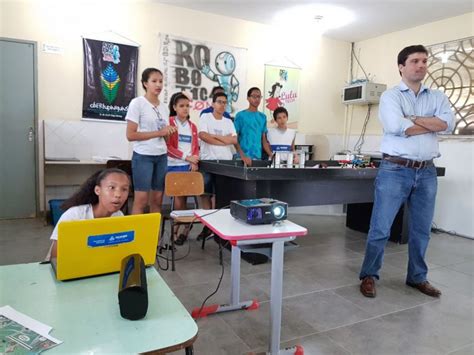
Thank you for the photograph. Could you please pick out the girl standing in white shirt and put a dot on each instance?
(148, 128)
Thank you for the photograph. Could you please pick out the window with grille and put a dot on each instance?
(451, 69)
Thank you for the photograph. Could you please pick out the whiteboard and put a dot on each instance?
(84, 140)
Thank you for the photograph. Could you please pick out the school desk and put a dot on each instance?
(244, 236)
(85, 313)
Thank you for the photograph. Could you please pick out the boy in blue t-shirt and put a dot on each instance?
(251, 127)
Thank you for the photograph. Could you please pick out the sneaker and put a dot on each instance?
(206, 232)
(181, 239)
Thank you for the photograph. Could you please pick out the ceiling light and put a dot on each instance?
(318, 18)
(327, 17)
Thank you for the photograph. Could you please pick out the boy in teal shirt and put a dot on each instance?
(251, 127)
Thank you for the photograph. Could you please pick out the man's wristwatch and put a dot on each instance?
(412, 118)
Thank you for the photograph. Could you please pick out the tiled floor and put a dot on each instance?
(322, 307)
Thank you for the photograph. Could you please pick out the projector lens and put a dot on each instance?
(278, 212)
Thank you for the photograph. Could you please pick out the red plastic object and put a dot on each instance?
(299, 350)
(254, 305)
(204, 312)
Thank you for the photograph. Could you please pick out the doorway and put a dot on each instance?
(18, 127)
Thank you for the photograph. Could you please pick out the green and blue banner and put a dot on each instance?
(110, 72)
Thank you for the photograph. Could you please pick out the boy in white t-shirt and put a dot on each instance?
(218, 136)
(282, 138)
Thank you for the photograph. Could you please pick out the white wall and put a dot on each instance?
(379, 56)
(455, 199)
(62, 23)
(454, 206)
(325, 62)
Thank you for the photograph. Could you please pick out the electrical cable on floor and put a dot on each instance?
(436, 230)
(168, 259)
(222, 267)
(217, 288)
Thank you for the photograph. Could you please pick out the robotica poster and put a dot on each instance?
(195, 67)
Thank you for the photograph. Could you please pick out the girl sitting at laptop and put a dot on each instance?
(102, 195)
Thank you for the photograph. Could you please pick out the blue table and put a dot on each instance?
(85, 313)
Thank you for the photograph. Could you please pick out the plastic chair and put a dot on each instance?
(181, 184)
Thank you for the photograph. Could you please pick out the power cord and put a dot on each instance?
(361, 140)
(158, 256)
(222, 267)
(218, 285)
(436, 230)
(167, 258)
(357, 59)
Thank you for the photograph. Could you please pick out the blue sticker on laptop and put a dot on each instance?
(104, 240)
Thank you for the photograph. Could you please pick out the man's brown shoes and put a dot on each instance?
(367, 287)
(426, 288)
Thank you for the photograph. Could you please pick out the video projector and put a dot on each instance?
(259, 211)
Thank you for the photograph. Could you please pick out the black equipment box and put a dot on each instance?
(259, 211)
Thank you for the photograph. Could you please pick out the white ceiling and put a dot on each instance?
(371, 17)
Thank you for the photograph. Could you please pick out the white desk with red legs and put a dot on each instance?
(242, 236)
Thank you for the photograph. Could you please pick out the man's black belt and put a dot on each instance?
(408, 163)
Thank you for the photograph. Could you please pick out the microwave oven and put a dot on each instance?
(362, 93)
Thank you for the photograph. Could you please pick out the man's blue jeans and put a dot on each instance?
(395, 185)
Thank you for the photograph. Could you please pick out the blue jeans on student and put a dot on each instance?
(209, 183)
(149, 171)
(395, 185)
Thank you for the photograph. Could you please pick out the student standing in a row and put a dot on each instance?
(281, 138)
(210, 109)
(148, 127)
(183, 150)
(218, 136)
(251, 127)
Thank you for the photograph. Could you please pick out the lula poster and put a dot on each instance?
(282, 89)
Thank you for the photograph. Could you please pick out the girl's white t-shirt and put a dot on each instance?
(185, 138)
(280, 140)
(149, 118)
(78, 213)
